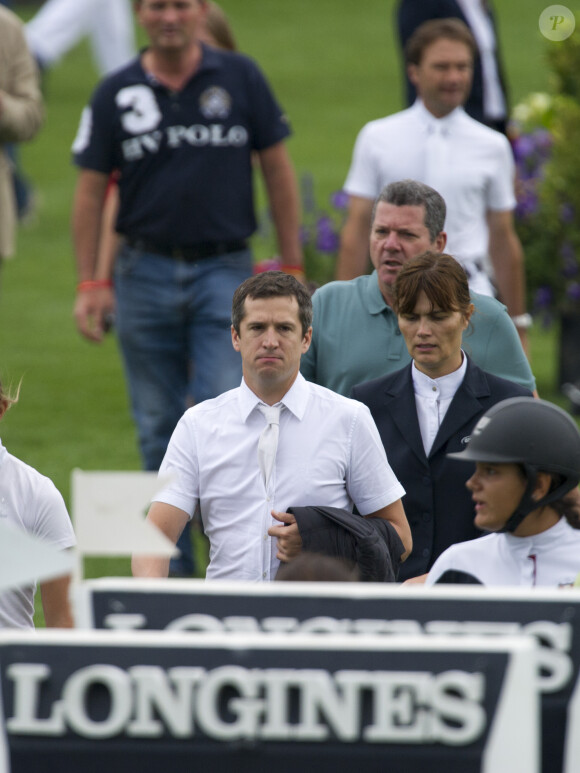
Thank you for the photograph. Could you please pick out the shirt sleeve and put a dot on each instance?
(269, 122)
(52, 522)
(93, 144)
(501, 191)
(370, 482)
(180, 464)
(509, 360)
(362, 179)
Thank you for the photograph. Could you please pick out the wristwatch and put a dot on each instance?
(523, 321)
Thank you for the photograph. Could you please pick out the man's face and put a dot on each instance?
(271, 343)
(443, 77)
(171, 25)
(397, 235)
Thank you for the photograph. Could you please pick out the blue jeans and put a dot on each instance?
(173, 325)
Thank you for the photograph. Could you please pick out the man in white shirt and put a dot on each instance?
(487, 101)
(437, 143)
(224, 461)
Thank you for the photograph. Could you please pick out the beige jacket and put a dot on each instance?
(21, 113)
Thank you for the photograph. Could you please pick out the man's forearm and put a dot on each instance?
(86, 222)
(282, 189)
(507, 260)
(354, 240)
(149, 566)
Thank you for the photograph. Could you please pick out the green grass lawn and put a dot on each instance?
(334, 65)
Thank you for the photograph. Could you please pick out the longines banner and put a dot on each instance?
(551, 616)
(88, 702)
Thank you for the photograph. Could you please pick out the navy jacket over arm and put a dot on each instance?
(437, 503)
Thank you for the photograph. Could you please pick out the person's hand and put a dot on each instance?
(93, 311)
(289, 541)
(420, 580)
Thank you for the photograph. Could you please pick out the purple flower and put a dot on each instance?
(327, 239)
(543, 141)
(527, 203)
(524, 146)
(573, 291)
(543, 297)
(339, 199)
(567, 212)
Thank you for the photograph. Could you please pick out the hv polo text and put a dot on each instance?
(230, 703)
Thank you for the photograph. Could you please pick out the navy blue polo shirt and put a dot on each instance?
(184, 157)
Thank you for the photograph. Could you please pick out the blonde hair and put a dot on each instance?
(218, 29)
(7, 398)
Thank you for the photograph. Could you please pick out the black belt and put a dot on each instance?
(477, 264)
(189, 254)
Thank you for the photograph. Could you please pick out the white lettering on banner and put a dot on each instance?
(232, 703)
(554, 666)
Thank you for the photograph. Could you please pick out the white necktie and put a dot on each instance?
(436, 156)
(268, 442)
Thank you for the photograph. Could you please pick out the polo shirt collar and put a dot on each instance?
(295, 400)
(211, 59)
(375, 302)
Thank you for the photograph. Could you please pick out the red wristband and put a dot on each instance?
(94, 284)
(295, 271)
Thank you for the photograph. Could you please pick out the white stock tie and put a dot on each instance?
(268, 442)
(436, 155)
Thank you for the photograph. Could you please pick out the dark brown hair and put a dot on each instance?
(315, 567)
(436, 29)
(439, 276)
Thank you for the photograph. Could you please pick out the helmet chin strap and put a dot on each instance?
(528, 503)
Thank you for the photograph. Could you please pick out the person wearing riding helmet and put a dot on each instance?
(527, 470)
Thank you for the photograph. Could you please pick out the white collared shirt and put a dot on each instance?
(551, 558)
(432, 398)
(479, 173)
(494, 105)
(29, 501)
(329, 453)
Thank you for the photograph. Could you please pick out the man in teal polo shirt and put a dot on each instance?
(355, 333)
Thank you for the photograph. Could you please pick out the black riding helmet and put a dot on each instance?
(534, 433)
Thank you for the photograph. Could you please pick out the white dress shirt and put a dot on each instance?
(494, 106)
(551, 558)
(30, 502)
(477, 177)
(432, 398)
(329, 453)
